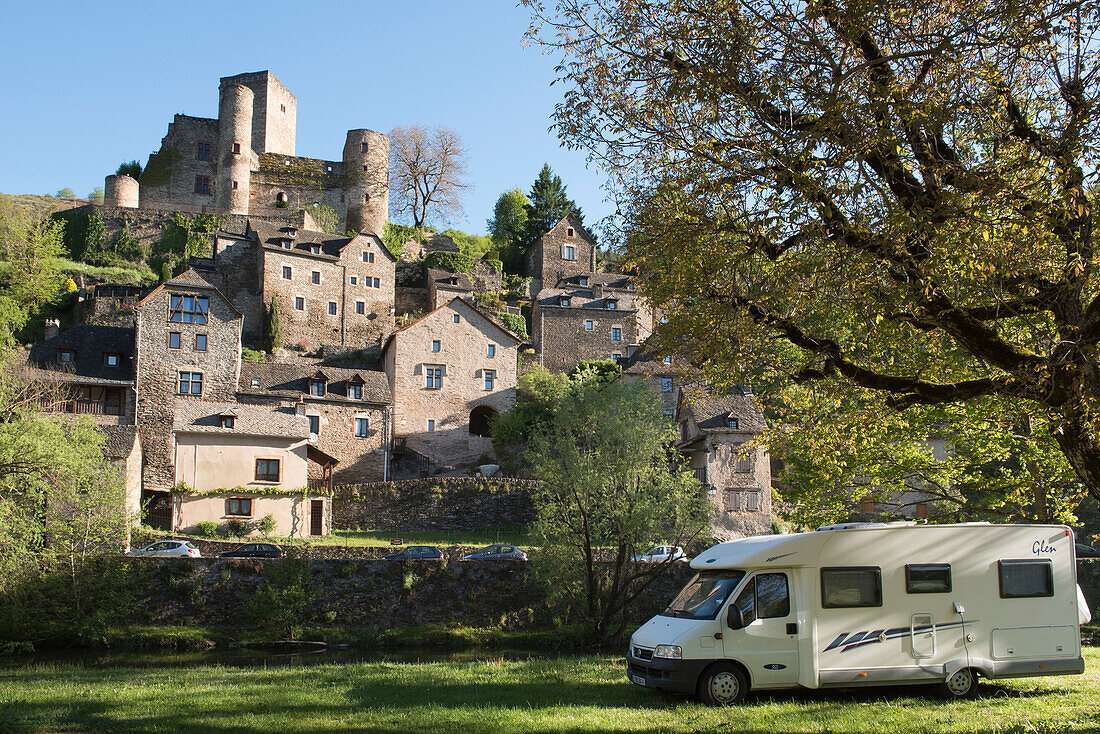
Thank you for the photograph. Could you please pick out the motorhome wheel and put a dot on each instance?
(963, 683)
(723, 685)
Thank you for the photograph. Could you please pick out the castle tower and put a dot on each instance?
(120, 190)
(367, 168)
(234, 148)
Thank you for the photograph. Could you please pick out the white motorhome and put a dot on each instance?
(867, 604)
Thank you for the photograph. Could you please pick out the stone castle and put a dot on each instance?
(243, 163)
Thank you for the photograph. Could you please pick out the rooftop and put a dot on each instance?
(292, 380)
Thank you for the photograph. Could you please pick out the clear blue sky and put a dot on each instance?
(89, 85)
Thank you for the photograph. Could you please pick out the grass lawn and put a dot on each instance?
(579, 695)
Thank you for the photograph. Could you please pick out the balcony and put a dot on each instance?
(700, 474)
(91, 407)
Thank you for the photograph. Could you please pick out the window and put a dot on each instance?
(332, 308)
(856, 586)
(267, 470)
(315, 277)
(299, 303)
(733, 424)
(490, 377)
(314, 424)
(366, 198)
(666, 384)
(173, 340)
(228, 421)
(315, 249)
(287, 244)
(236, 148)
(202, 185)
(569, 232)
(234, 185)
(616, 334)
(317, 388)
(921, 510)
(255, 382)
(744, 462)
(565, 302)
(190, 383)
(927, 578)
(287, 272)
(436, 345)
(491, 350)
(188, 309)
(364, 150)
(615, 357)
(867, 506)
(612, 304)
(431, 425)
(588, 325)
(202, 152)
(361, 427)
(584, 281)
(282, 108)
(434, 377)
(1026, 578)
(766, 596)
(355, 280)
(355, 391)
(668, 360)
(242, 506)
(455, 318)
(111, 360)
(65, 356)
(360, 307)
(569, 252)
(377, 283)
(200, 342)
(368, 257)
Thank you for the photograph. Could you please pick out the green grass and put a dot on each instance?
(484, 536)
(578, 695)
(135, 275)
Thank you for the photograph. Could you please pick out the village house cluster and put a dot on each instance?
(204, 435)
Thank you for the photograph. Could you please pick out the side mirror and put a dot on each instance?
(734, 619)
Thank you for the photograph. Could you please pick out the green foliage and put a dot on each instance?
(236, 528)
(126, 274)
(273, 327)
(282, 602)
(82, 232)
(29, 248)
(165, 271)
(595, 369)
(454, 262)
(206, 528)
(325, 217)
(548, 204)
(129, 247)
(185, 237)
(95, 195)
(507, 228)
(253, 355)
(267, 525)
(158, 170)
(475, 245)
(494, 263)
(129, 168)
(65, 193)
(514, 321)
(604, 482)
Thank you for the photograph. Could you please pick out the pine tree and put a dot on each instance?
(273, 330)
(165, 271)
(549, 203)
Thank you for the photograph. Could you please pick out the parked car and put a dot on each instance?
(1085, 551)
(497, 553)
(417, 553)
(167, 549)
(254, 550)
(662, 553)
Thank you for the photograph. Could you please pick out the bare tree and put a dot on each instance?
(427, 173)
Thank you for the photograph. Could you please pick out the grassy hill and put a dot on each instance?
(41, 206)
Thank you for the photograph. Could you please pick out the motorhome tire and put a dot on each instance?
(723, 684)
(963, 683)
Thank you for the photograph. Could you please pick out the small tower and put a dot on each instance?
(120, 190)
(367, 170)
(234, 148)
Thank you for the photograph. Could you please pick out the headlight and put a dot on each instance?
(667, 651)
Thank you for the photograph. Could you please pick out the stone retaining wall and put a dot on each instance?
(441, 503)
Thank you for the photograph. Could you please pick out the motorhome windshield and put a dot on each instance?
(704, 595)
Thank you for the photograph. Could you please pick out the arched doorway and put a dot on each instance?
(481, 420)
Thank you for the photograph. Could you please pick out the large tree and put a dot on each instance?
(427, 174)
(899, 193)
(549, 202)
(507, 228)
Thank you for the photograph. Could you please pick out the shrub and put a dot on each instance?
(129, 168)
(206, 528)
(236, 528)
(282, 600)
(515, 322)
(252, 355)
(455, 262)
(267, 524)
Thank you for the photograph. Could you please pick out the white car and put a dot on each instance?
(661, 554)
(168, 549)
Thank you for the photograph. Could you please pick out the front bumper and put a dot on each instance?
(675, 676)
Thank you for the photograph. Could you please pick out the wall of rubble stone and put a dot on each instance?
(452, 503)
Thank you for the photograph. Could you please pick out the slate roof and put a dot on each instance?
(712, 409)
(302, 240)
(194, 416)
(292, 380)
(119, 441)
(616, 281)
(585, 298)
(443, 279)
(89, 344)
(487, 316)
(643, 362)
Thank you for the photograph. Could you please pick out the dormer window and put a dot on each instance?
(355, 388)
(292, 232)
(315, 249)
(317, 388)
(111, 360)
(66, 356)
(286, 244)
(733, 424)
(630, 286)
(584, 281)
(612, 304)
(228, 420)
(668, 360)
(564, 301)
(255, 383)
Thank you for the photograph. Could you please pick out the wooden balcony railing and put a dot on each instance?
(92, 407)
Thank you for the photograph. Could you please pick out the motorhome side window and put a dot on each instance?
(765, 597)
(704, 595)
(927, 578)
(1024, 578)
(855, 586)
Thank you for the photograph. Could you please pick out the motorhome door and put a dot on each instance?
(768, 641)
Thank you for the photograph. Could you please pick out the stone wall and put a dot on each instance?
(181, 142)
(460, 504)
(563, 341)
(546, 263)
(411, 300)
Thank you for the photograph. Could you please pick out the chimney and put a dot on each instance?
(597, 290)
(53, 328)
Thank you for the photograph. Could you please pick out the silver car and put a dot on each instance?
(167, 549)
(497, 553)
(662, 554)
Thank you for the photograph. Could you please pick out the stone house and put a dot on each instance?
(330, 289)
(122, 448)
(567, 249)
(582, 319)
(717, 435)
(658, 374)
(450, 373)
(347, 412)
(244, 162)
